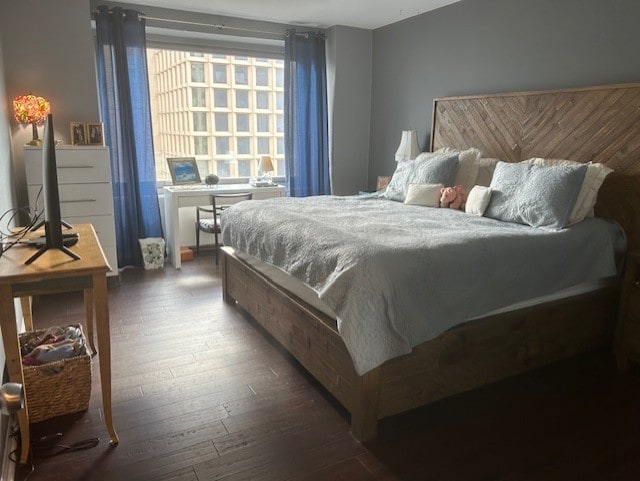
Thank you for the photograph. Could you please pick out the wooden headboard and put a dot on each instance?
(594, 124)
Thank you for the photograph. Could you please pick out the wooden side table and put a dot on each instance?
(55, 272)
(627, 340)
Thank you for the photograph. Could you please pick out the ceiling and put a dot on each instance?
(368, 14)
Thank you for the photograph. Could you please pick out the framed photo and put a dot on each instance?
(78, 134)
(184, 170)
(95, 134)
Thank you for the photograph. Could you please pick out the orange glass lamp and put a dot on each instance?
(31, 109)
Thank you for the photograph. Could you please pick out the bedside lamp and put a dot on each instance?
(408, 148)
(31, 109)
(265, 167)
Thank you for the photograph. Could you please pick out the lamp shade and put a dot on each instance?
(31, 109)
(265, 164)
(408, 148)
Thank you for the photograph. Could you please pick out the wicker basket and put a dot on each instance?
(56, 388)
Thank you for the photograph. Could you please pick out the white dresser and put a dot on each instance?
(84, 184)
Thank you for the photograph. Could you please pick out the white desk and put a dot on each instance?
(187, 196)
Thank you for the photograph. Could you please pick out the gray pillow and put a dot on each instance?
(427, 168)
(535, 195)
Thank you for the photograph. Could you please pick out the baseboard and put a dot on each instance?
(10, 445)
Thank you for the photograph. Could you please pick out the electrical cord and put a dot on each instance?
(16, 235)
(47, 447)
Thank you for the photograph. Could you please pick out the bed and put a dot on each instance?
(600, 124)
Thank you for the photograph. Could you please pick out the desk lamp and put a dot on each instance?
(265, 167)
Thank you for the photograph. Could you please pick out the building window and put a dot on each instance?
(241, 75)
(198, 97)
(262, 122)
(220, 98)
(197, 72)
(262, 77)
(222, 122)
(219, 74)
(244, 146)
(242, 99)
(200, 146)
(262, 99)
(242, 122)
(231, 116)
(200, 121)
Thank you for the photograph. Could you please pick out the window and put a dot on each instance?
(241, 75)
(242, 99)
(200, 121)
(220, 98)
(197, 72)
(219, 74)
(262, 77)
(242, 122)
(198, 97)
(262, 99)
(262, 122)
(226, 110)
(222, 122)
(200, 146)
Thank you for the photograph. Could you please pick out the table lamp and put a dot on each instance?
(31, 109)
(265, 167)
(408, 148)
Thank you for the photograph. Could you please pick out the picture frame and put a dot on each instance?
(184, 170)
(78, 133)
(94, 133)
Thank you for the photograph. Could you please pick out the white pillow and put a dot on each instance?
(588, 194)
(467, 166)
(478, 200)
(424, 194)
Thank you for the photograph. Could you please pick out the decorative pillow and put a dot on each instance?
(535, 195)
(478, 200)
(424, 194)
(588, 195)
(427, 168)
(486, 166)
(467, 166)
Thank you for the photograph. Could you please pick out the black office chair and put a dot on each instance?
(211, 225)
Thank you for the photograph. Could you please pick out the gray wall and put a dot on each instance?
(488, 46)
(54, 59)
(349, 96)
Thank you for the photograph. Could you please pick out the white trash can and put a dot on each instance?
(152, 252)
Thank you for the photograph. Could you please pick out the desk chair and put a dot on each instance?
(211, 225)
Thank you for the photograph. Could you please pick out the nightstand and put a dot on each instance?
(627, 341)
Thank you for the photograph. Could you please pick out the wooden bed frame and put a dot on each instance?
(599, 124)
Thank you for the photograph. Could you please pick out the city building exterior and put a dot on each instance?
(224, 110)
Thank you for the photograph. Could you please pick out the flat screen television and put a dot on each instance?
(53, 238)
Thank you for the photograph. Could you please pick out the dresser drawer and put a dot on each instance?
(75, 166)
(79, 199)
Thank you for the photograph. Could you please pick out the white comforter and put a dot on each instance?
(398, 275)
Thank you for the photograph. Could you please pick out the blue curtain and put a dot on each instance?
(125, 110)
(306, 118)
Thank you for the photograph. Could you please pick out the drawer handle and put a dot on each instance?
(74, 201)
(75, 167)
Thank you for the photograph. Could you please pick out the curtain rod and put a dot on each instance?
(217, 25)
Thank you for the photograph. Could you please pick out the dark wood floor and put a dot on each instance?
(201, 393)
